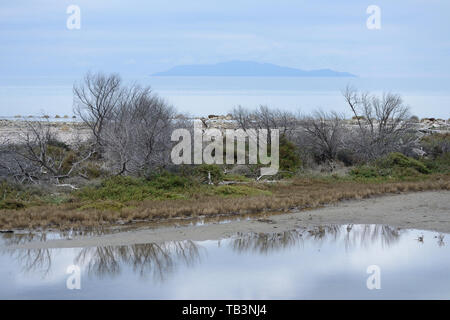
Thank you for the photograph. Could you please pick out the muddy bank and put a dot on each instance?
(421, 210)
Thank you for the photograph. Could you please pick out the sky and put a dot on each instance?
(139, 38)
(41, 58)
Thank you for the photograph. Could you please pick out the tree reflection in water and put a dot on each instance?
(31, 260)
(365, 235)
(266, 242)
(150, 259)
(351, 236)
(157, 260)
(160, 260)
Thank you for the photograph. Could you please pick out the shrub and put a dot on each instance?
(365, 172)
(11, 204)
(93, 170)
(289, 157)
(204, 170)
(69, 159)
(167, 180)
(436, 144)
(440, 164)
(19, 192)
(393, 165)
(126, 188)
(398, 160)
(401, 172)
(119, 188)
(347, 157)
(58, 144)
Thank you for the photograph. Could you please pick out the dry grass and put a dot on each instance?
(295, 194)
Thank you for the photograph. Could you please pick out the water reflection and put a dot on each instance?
(150, 259)
(18, 238)
(266, 242)
(350, 235)
(365, 235)
(440, 240)
(159, 261)
(33, 260)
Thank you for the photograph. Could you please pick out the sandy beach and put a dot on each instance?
(420, 210)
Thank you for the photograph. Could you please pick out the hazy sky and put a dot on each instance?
(141, 37)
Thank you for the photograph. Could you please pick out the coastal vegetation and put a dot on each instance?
(122, 173)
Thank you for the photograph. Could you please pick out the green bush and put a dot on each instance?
(16, 191)
(167, 180)
(123, 181)
(364, 172)
(401, 172)
(69, 159)
(124, 188)
(202, 171)
(439, 164)
(117, 188)
(393, 165)
(11, 204)
(436, 144)
(398, 160)
(289, 157)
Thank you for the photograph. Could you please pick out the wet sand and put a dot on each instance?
(421, 210)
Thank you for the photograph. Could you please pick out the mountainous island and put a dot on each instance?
(247, 69)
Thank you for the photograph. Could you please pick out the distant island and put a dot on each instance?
(247, 69)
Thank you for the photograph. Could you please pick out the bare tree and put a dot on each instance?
(324, 134)
(266, 118)
(131, 125)
(137, 136)
(35, 155)
(383, 123)
(95, 99)
(243, 117)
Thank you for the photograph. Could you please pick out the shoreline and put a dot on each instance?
(303, 193)
(426, 210)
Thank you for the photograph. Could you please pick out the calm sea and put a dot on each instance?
(427, 97)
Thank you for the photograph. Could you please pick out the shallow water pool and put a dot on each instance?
(326, 262)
